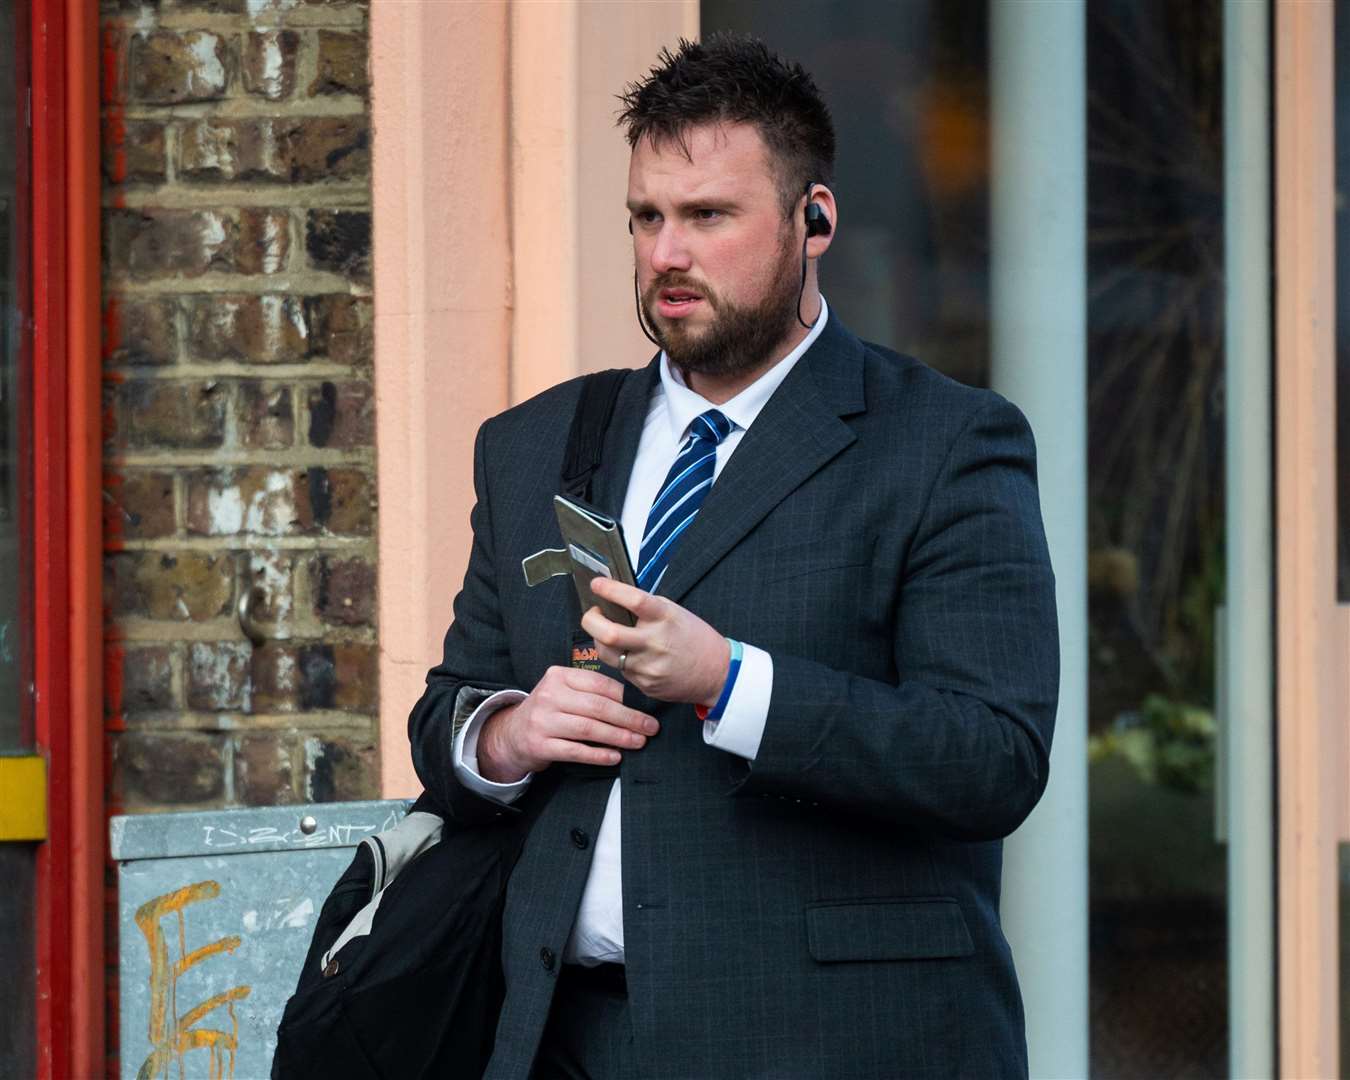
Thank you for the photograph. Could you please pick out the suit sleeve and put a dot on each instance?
(959, 747)
(475, 664)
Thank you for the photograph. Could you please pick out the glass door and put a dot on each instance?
(1175, 777)
(17, 857)
(1159, 847)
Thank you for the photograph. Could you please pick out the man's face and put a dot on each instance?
(717, 264)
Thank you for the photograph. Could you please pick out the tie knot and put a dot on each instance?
(710, 426)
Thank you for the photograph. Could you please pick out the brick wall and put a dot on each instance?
(239, 413)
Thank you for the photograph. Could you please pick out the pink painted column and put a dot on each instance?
(503, 266)
(573, 258)
(442, 320)
(1310, 629)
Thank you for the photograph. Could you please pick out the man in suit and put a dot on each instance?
(765, 837)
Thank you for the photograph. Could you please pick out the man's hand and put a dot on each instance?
(568, 708)
(673, 655)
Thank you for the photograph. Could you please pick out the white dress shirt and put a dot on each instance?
(597, 934)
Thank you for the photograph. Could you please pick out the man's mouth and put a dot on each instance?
(674, 302)
(679, 296)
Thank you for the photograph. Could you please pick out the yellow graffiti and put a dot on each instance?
(171, 1042)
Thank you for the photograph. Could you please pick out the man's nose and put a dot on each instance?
(670, 252)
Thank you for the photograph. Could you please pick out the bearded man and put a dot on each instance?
(765, 837)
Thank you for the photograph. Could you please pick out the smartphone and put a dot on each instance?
(596, 547)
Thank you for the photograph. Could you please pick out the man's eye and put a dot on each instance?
(707, 214)
(647, 217)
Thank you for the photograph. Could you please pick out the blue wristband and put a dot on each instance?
(737, 651)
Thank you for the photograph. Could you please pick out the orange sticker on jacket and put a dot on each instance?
(585, 655)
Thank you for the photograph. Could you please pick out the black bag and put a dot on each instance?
(420, 993)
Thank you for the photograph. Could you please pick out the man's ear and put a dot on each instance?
(821, 216)
(817, 221)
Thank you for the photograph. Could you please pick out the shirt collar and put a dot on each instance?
(683, 404)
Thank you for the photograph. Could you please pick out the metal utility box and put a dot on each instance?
(215, 913)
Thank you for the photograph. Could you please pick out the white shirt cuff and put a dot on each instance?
(741, 727)
(466, 751)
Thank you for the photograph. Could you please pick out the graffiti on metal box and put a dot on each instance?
(173, 1034)
(345, 835)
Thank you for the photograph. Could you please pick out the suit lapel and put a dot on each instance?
(798, 431)
(621, 440)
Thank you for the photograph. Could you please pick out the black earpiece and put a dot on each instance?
(817, 224)
(817, 221)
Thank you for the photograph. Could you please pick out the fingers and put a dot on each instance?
(612, 641)
(569, 737)
(636, 662)
(607, 632)
(578, 715)
(562, 750)
(613, 713)
(579, 692)
(589, 682)
(588, 729)
(642, 604)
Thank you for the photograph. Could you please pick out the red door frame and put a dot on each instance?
(67, 610)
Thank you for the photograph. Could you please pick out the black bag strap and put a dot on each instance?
(586, 439)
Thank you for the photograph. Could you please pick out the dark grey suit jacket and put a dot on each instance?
(831, 909)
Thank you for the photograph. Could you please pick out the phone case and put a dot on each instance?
(595, 547)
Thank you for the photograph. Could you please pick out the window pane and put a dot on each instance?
(17, 989)
(15, 342)
(1342, 21)
(1155, 502)
(1343, 299)
(908, 88)
(908, 85)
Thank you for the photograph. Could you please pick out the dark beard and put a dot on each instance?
(739, 339)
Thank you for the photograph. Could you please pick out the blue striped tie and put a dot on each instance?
(686, 487)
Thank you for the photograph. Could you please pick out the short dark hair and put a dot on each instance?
(735, 78)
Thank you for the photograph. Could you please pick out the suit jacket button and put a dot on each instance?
(547, 958)
(580, 839)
